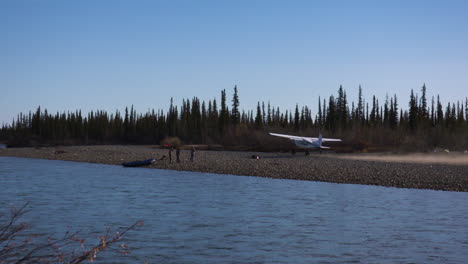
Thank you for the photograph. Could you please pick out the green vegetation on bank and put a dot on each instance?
(374, 125)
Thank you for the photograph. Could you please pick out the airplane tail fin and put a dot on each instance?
(320, 140)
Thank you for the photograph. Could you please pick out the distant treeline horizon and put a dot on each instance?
(363, 125)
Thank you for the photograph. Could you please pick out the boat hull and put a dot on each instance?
(138, 163)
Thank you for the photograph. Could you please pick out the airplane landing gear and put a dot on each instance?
(307, 152)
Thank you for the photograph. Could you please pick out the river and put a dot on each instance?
(210, 218)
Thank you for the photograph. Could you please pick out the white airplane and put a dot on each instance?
(308, 142)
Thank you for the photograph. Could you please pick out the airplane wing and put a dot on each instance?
(306, 138)
(330, 139)
(287, 136)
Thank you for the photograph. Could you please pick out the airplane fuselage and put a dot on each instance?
(303, 143)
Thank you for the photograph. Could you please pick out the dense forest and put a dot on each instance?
(424, 125)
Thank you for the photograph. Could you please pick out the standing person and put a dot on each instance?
(170, 155)
(192, 154)
(177, 152)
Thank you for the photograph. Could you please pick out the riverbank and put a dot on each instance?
(406, 171)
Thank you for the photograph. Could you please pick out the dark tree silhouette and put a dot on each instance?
(386, 125)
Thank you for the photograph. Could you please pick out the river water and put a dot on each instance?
(209, 218)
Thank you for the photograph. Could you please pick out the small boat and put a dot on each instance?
(138, 163)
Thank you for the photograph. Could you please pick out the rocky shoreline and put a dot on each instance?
(401, 173)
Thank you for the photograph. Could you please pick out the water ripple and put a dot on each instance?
(208, 218)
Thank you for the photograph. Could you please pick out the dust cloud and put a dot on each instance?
(425, 158)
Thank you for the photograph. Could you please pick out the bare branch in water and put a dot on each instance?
(17, 245)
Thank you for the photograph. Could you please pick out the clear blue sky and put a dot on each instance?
(67, 55)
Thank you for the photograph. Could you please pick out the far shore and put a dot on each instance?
(438, 171)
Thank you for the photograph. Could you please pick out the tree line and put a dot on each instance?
(363, 125)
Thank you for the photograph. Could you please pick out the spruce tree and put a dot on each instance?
(319, 119)
(235, 117)
(223, 113)
(360, 106)
(440, 112)
(258, 117)
(263, 113)
(296, 119)
(413, 111)
(423, 109)
(269, 114)
(432, 112)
